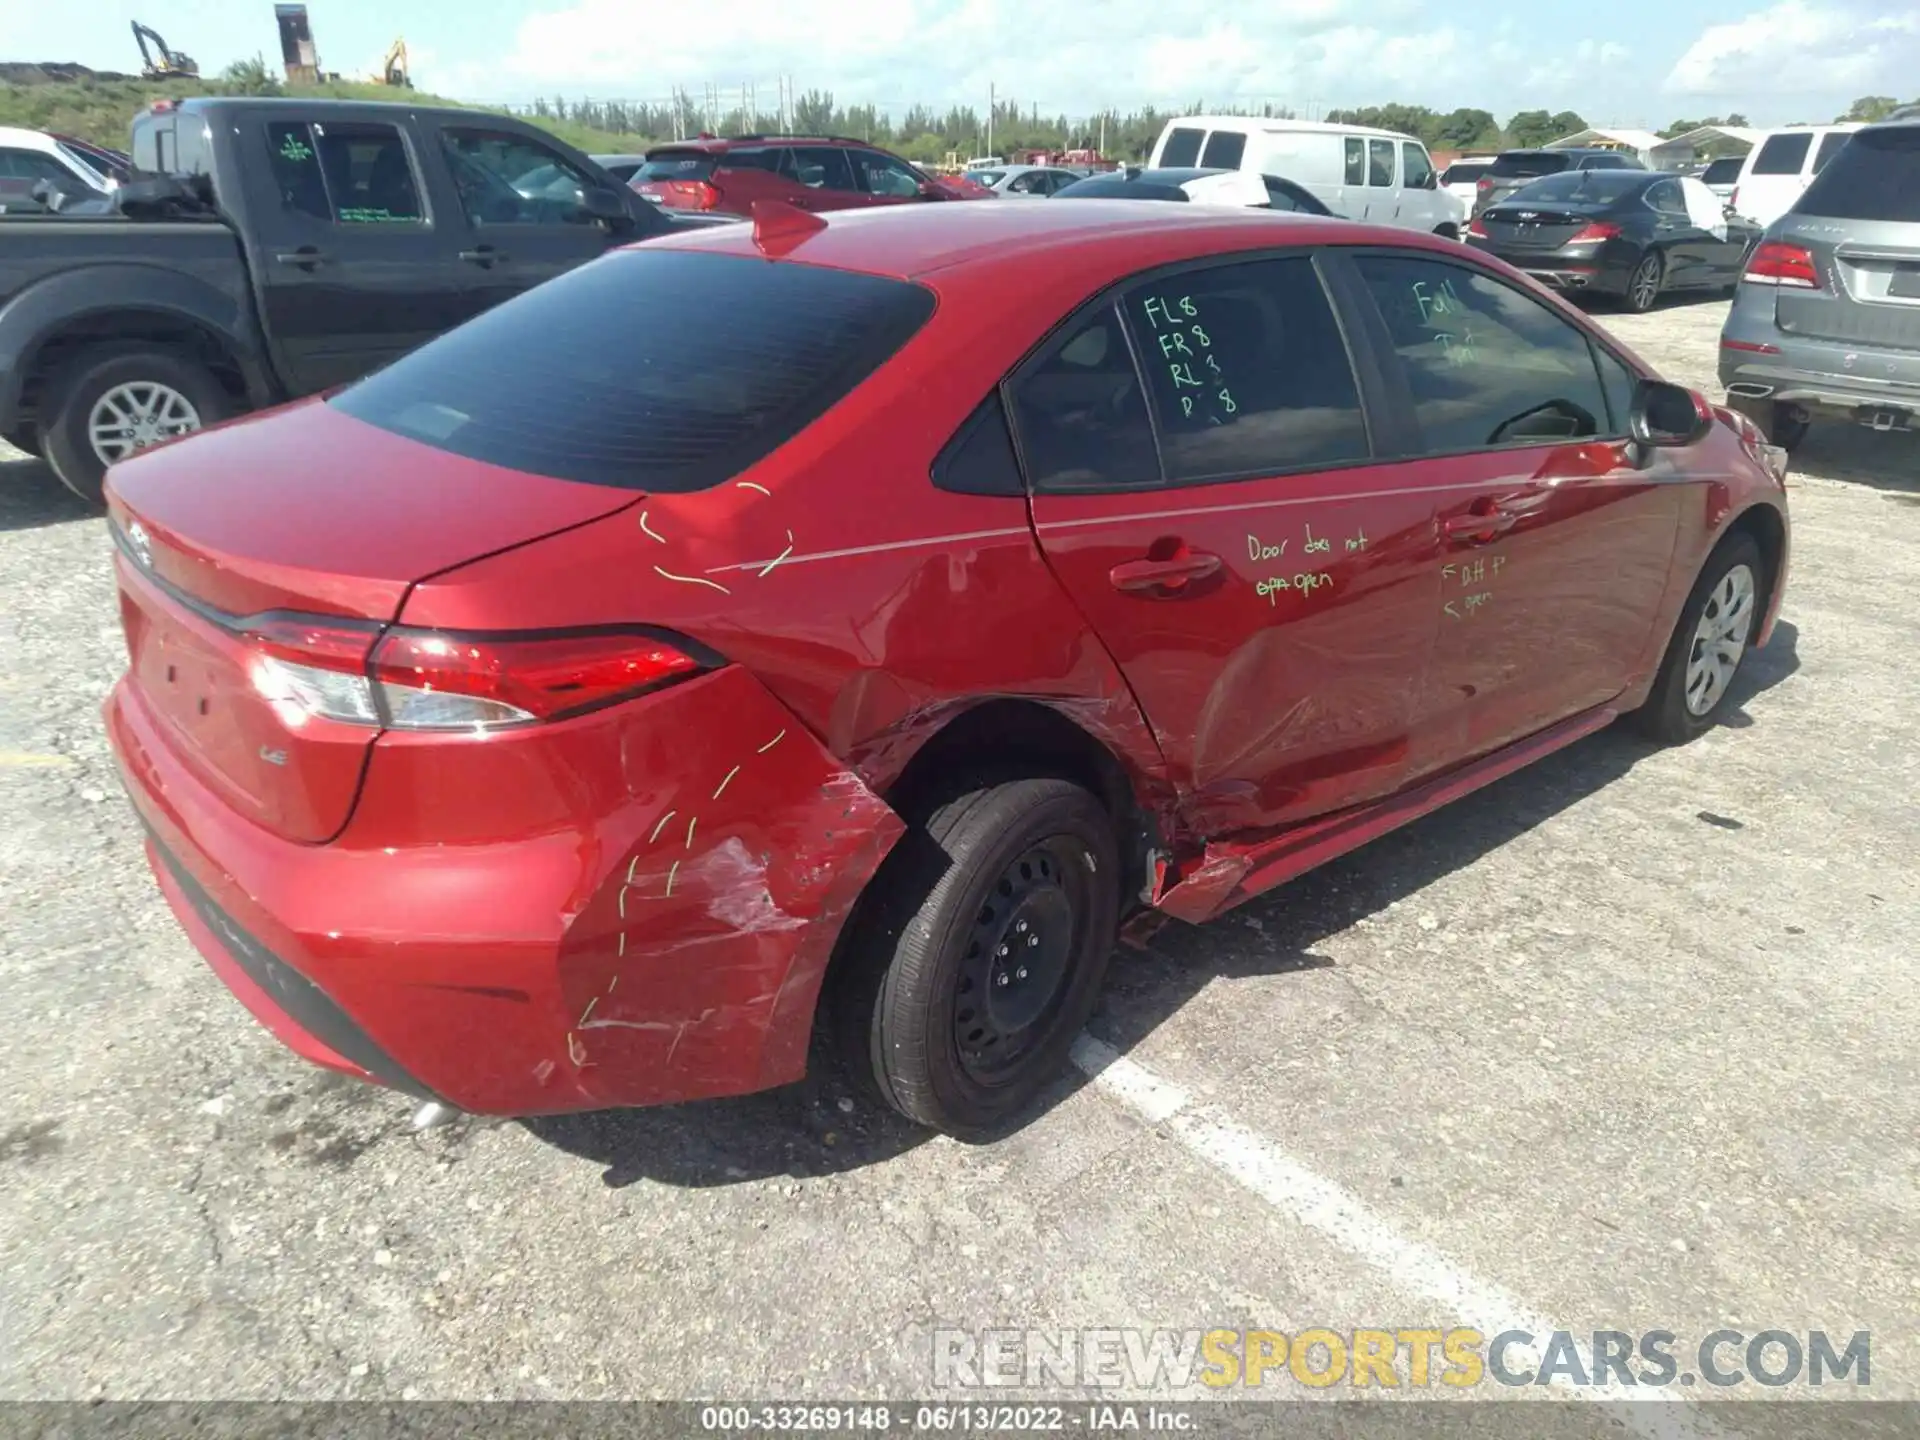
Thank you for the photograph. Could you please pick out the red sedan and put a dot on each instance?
(889, 607)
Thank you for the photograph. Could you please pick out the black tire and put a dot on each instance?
(1667, 716)
(1447, 232)
(89, 376)
(25, 438)
(1004, 879)
(1640, 299)
(1782, 426)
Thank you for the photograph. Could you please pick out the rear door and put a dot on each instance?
(1555, 548)
(1383, 190)
(1775, 176)
(521, 200)
(1691, 255)
(823, 178)
(1861, 221)
(1202, 484)
(883, 180)
(353, 267)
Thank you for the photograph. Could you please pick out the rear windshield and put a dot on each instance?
(676, 165)
(646, 370)
(1102, 188)
(1182, 147)
(1224, 151)
(1531, 162)
(1588, 187)
(1875, 176)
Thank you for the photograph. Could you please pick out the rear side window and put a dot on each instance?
(1723, 171)
(1380, 163)
(1488, 366)
(820, 167)
(1248, 371)
(1527, 165)
(1225, 149)
(1876, 176)
(646, 370)
(1829, 147)
(1182, 148)
(677, 165)
(979, 460)
(344, 174)
(1356, 154)
(1082, 420)
(1783, 154)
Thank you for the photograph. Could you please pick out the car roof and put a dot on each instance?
(716, 144)
(30, 139)
(1120, 236)
(1274, 125)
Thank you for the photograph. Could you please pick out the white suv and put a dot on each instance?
(1781, 166)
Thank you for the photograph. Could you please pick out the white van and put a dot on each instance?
(1360, 173)
(1781, 165)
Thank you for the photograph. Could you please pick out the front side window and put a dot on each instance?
(1380, 162)
(507, 179)
(1248, 371)
(1182, 149)
(1783, 154)
(646, 369)
(879, 174)
(1356, 155)
(1081, 418)
(344, 174)
(30, 165)
(1225, 149)
(1487, 365)
(1415, 166)
(820, 167)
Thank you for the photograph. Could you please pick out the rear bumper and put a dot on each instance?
(628, 959)
(1818, 374)
(1600, 267)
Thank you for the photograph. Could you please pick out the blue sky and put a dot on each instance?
(1628, 62)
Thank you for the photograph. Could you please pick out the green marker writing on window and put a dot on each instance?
(294, 148)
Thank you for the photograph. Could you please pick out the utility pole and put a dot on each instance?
(991, 101)
(1101, 153)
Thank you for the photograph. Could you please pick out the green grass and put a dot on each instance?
(102, 110)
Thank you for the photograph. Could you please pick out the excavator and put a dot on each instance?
(168, 64)
(393, 70)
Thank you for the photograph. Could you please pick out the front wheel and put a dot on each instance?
(980, 955)
(1643, 285)
(1708, 646)
(113, 401)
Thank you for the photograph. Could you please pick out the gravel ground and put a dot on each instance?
(1627, 1041)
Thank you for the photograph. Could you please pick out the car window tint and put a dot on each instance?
(646, 369)
(752, 157)
(27, 165)
(1876, 176)
(1618, 383)
(1182, 147)
(1027, 184)
(1356, 152)
(1464, 173)
(1380, 162)
(1081, 418)
(879, 174)
(1829, 147)
(1527, 164)
(1279, 197)
(980, 460)
(986, 177)
(1723, 171)
(1247, 370)
(678, 165)
(1415, 168)
(1225, 149)
(822, 167)
(1783, 154)
(1487, 365)
(507, 179)
(1665, 195)
(344, 174)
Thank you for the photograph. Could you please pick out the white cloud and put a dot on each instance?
(1841, 48)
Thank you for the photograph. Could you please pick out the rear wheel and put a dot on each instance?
(113, 401)
(1643, 285)
(1783, 425)
(1708, 646)
(980, 953)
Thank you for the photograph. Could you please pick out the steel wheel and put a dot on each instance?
(1720, 639)
(1643, 286)
(1018, 959)
(135, 414)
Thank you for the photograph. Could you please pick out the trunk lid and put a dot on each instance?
(1535, 227)
(306, 512)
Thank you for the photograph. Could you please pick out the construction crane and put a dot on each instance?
(393, 70)
(166, 64)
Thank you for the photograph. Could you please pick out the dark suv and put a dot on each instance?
(1513, 168)
(810, 172)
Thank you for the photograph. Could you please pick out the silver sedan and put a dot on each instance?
(1023, 182)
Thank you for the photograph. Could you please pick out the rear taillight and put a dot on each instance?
(1475, 229)
(1483, 184)
(1594, 233)
(435, 680)
(682, 194)
(1775, 262)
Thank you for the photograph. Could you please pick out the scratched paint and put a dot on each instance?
(666, 574)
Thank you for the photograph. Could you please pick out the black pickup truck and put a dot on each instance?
(322, 239)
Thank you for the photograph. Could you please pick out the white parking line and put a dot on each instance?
(1256, 1164)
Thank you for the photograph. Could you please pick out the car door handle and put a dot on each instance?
(306, 257)
(1479, 525)
(1171, 574)
(485, 256)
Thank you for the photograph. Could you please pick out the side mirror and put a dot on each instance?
(606, 206)
(928, 190)
(1667, 415)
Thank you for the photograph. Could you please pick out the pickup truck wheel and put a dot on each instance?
(115, 400)
(979, 952)
(1716, 626)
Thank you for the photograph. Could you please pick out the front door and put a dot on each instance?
(1202, 484)
(1556, 544)
(522, 202)
(353, 269)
